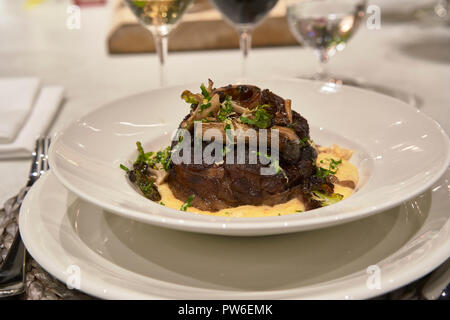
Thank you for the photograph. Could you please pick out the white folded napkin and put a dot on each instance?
(17, 96)
(44, 109)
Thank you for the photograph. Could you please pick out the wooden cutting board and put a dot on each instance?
(202, 28)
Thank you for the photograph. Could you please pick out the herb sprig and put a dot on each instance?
(333, 167)
(151, 158)
(205, 92)
(124, 168)
(188, 203)
(206, 98)
(226, 110)
(262, 118)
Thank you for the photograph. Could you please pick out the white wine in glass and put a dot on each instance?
(159, 17)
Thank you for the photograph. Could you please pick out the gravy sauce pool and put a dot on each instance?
(345, 172)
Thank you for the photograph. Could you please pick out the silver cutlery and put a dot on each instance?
(12, 270)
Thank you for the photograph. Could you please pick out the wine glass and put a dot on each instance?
(326, 26)
(159, 17)
(244, 15)
(438, 12)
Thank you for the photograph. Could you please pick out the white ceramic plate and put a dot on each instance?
(399, 152)
(119, 258)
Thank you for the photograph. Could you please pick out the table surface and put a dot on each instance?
(413, 57)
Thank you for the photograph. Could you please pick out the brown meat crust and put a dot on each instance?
(221, 185)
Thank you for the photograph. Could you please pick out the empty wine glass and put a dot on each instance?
(244, 15)
(438, 12)
(159, 17)
(326, 26)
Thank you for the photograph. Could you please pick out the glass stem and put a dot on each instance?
(322, 73)
(245, 43)
(161, 45)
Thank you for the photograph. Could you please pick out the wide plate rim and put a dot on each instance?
(245, 226)
(101, 288)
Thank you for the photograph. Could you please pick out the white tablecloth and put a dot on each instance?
(413, 57)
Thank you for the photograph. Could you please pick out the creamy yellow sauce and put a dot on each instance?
(345, 172)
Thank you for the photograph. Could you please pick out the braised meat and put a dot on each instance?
(222, 185)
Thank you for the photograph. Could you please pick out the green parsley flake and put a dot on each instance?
(262, 118)
(151, 158)
(305, 141)
(333, 167)
(205, 92)
(205, 106)
(225, 110)
(188, 203)
(124, 168)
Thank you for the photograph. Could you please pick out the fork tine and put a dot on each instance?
(39, 150)
(43, 157)
(47, 145)
(35, 165)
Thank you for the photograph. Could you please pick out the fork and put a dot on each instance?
(12, 270)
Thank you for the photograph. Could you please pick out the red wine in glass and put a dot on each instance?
(244, 15)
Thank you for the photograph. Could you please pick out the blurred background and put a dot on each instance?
(61, 59)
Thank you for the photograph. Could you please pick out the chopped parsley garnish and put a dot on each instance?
(225, 110)
(323, 173)
(189, 97)
(262, 118)
(163, 157)
(188, 203)
(145, 183)
(205, 106)
(206, 98)
(334, 164)
(205, 92)
(124, 168)
(162, 203)
(305, 141)
(228, 132)
(142, 157)
(150, 158)
(146, 186)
